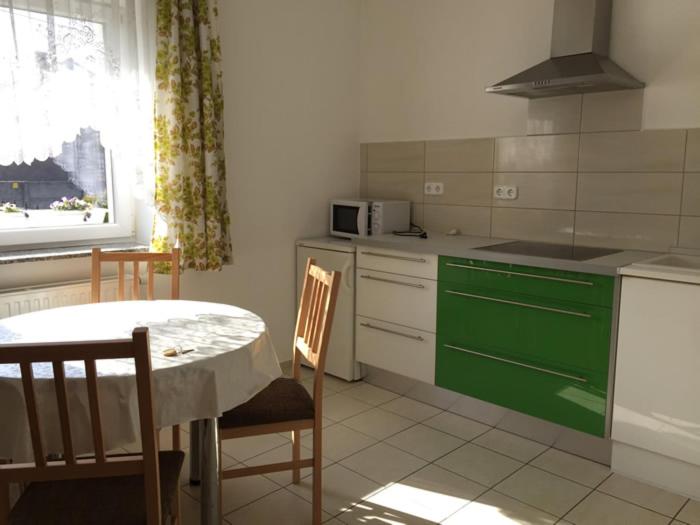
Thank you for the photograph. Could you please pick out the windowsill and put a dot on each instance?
(65, 252)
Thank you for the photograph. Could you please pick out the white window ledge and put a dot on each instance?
(66, 252)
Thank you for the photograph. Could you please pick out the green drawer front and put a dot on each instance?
(574, 404)
(558, 334)
(541, 282)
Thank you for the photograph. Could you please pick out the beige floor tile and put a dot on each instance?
(338, 385)
(238, 492)
(458, 426)
(572, 467)
(690, 514)
(190, 513)
(510, 445)
(379, 423)
(280, 506)
(496, 509)
(601, 509)
(543, 490)
(367, 512)
(309, 385)
(644, 495)
(383, 463)
(279, 455)
(342, 488)
(479, 464)
(340, 442)
(339, 406)
(411, 408)
(247, 447)
(226, 461)
(431, 494)
(425, 442)
(370, 394)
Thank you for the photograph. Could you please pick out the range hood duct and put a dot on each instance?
(579, 60)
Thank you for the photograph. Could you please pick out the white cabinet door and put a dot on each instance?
(657, 384)
(408, 301)
(393, 261)
(398, 349)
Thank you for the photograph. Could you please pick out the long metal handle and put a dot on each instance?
(409, 336)
(516, 303)
(521, 274)
(516, 363)
(412, 259)
(381, 279)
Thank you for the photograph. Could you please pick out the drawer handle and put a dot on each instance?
(521, 274)
(525, 305)
(393, 332)
(412, 285)
(516, 363)
(400, 258)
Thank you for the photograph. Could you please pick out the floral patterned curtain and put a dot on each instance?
(190, 194)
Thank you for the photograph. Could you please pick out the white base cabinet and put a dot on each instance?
(656, 411)
(396, 303)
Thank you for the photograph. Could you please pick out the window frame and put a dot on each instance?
(121, 199)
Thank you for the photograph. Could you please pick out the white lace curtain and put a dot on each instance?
(72, 64)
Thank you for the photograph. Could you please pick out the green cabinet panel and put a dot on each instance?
(530, 339)
(540, 282)
(575, 404)
(562, 335)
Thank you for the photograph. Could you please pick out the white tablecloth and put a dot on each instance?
(233, 359)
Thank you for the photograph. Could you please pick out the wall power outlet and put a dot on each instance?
(434, 188)
(507, 193)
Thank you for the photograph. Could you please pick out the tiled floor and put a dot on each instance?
(392, 460)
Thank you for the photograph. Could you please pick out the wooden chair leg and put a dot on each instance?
(317, 485)
(176, 437)
(4, 503)
(296, 455)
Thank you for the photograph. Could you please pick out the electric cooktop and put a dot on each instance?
(552, 251)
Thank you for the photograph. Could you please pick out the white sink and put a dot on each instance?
(674, 267)
(684, 262)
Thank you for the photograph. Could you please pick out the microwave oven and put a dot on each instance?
(366, 217)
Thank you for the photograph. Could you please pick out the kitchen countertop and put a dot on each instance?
(466, 247)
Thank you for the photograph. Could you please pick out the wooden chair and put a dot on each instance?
(121, 258)
(285, 405)
(98, 489)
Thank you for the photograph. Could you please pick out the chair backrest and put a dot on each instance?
(314, 321)
(121, 258)
(72, 466)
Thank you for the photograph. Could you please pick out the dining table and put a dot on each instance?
(207, 358)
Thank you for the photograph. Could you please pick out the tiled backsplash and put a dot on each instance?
(585, 174)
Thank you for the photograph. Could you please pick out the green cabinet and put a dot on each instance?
(534, 340)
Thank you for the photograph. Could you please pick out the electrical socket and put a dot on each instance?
(434, 188)
(507, 193)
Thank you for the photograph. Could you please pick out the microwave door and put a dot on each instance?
(348, 220)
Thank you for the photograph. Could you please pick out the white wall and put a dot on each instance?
(290, 80)
(425, 63)
(290, 72)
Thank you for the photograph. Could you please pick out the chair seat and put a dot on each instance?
(284, 399)
(109, 501)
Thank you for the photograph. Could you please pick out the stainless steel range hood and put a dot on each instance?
(579, 60)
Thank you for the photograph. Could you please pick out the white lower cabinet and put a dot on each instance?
(400, 299)
(396, 348)
(656, 415)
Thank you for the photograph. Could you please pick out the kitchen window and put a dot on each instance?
(75, 119)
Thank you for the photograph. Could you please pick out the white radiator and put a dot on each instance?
(30, 299)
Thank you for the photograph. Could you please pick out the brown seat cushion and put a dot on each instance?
(110, 501)
(282, 400)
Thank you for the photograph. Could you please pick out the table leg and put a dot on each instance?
(210, 504)
(195, 452)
